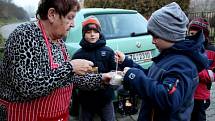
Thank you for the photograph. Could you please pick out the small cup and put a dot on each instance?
(116, 79)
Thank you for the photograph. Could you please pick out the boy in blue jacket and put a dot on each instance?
(206, 77)
(167, 87)
(93, 48)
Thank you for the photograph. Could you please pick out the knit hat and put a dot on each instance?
(91, 23)
(169, 23)
(200, 24)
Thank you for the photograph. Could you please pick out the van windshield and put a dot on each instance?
(122, 25)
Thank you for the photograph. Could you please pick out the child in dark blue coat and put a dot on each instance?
(206, 77)
(94, 49)
(168, 86)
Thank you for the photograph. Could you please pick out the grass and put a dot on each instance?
(4, 21)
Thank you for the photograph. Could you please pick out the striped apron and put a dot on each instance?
(54, 107)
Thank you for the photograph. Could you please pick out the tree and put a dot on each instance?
(145, 7)
(9, 11)
(8, 1)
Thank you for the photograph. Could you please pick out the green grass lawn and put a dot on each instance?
(4, 21)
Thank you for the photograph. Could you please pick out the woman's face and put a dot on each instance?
(61, 25)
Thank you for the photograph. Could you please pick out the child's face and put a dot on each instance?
(91, 36)
(192, 32)
(161, 44)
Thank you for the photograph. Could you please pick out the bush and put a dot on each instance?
(145, 7)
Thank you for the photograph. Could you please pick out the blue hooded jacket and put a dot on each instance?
(103, 58)
(168, 87)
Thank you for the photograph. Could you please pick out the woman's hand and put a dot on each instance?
(119, 57)
(106, 77)
(81, 66)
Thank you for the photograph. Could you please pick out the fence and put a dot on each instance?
(210, 16)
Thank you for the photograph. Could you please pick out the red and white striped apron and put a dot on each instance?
(54, 107)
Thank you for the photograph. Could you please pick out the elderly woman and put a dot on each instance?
(37, 74)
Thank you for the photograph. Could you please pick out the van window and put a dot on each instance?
(122, 25)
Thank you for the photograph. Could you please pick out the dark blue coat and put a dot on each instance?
(168, 86)
(103, 58)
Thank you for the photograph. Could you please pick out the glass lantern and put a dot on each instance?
(127, 102)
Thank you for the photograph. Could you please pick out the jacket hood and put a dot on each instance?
(91, 46)
(193, 47)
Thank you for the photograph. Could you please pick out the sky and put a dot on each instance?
(28, 5)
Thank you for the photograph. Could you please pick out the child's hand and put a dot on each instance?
(119, 57)
(125, 70)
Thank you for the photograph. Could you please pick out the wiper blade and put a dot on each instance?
(133, 34)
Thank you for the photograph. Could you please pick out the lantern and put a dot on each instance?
(127, 102)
